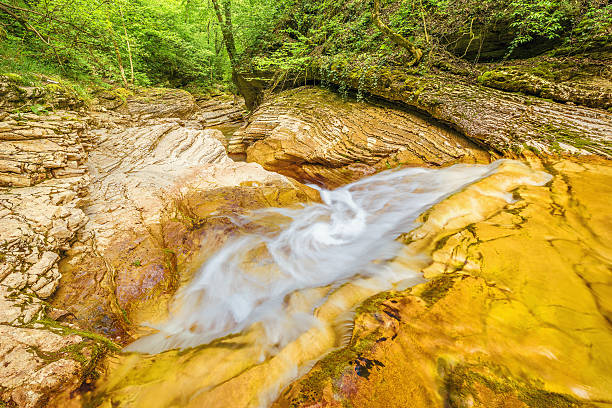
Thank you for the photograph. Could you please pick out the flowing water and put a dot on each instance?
(293, 284)
(351, 234)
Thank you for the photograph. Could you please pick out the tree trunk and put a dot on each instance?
(118, 54)
(252, 94)
(416, 52)
(129, 49)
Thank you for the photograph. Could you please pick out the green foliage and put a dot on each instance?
(544, 18)
(471, 29)
(594, 30)
(38, 109)
(170, 42)
(179, 43)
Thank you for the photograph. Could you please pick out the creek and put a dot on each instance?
(272, 302)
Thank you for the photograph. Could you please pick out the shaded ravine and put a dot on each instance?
(269, 303)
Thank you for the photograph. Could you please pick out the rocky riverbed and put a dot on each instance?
(496, 293)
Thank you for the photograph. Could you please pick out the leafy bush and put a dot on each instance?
(543, 18)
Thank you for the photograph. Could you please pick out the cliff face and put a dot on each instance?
(538, 105)
(508, 122)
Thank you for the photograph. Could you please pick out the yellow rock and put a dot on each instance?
(516, 314)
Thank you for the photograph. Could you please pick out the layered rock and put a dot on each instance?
(110, 205)
(314, 135)
(145, 194)
(152, 189)
(40, 367)
(41, 359)
(503, 121)
(516, 80)
(15, 93)
(43, 181)
(149, 103)
(36, 224)
(515, 312)
(221, 110)
(580, 80)
(33, 149)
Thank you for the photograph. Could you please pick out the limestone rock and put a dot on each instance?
(161, 103)
(36, 223)
(146, 219)
(220, 110)
(39, 366)
(502, 121)
(149, 103)
(96, 187)
(502, 322)
(16, 94)
(517, 80)
(44, 160)
(516, 313)
(312, 134)
(34, 148)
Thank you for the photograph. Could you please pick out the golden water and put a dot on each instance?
(267, 306)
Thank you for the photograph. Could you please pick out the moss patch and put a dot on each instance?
(487, 384)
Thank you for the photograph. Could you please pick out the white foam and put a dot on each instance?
(349, 236)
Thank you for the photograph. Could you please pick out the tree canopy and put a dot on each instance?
(172, 42)
(182, 42)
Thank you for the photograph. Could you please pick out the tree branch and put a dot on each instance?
(29, 27)
(7, 7)
(398, 39)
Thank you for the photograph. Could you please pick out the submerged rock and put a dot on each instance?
(515, 312)
(314, 135)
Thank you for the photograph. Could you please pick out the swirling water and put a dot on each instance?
(350, 235)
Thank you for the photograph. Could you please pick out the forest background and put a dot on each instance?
(180, 43)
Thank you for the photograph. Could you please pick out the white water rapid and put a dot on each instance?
(351, 235)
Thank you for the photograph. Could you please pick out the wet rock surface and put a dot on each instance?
(41, 367)
(509, 315)
(314, 135)
(100, 214)
(514, 314)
